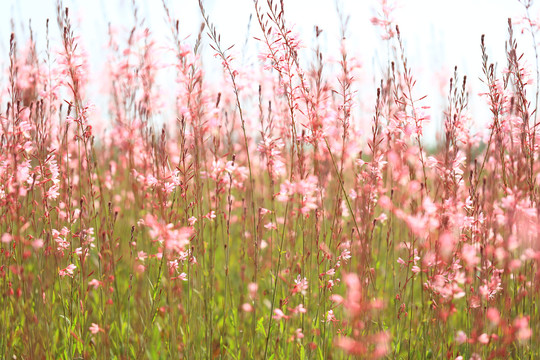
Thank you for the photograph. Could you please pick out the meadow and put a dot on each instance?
(268, 212)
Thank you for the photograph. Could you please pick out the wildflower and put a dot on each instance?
(493, 316)
(330, 272)
(330, 316)
(247, 307)
(67, 271)
(142, 256)
(182, 276)
(173, 265)
(210, 216)
(94, 329)
(300, 285)
(338, 299)
(345, 255)
(461, 337)
(469, 255)
(352, 346)
(94, 283)
(278, 315)
(37, 244)
(483, 339)
(6, 238)
(270, 226)
(521, 324)
(252, 289)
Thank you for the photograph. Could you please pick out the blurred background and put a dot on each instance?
(437, 34)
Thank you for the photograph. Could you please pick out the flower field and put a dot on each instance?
(269, 211)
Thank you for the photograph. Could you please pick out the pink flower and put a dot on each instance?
(385, 202)
(493, 316)
(168, 187)
(37, 244)
(469, 255)
(521, 324)
(270, 226)
(330, 316)
(278, 315)
(330, 272)
(352, 346)
(338, 299)
(483, 339)
(94, 329)
(300, 285)
(95, 283)
(345, 254)
(182, 276)
(210, 216)
(67, 271)
(142, 256)
(6, 238)
(247, 307)
(461, 337)
(252, 289)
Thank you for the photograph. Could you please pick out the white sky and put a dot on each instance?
(438, 34)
